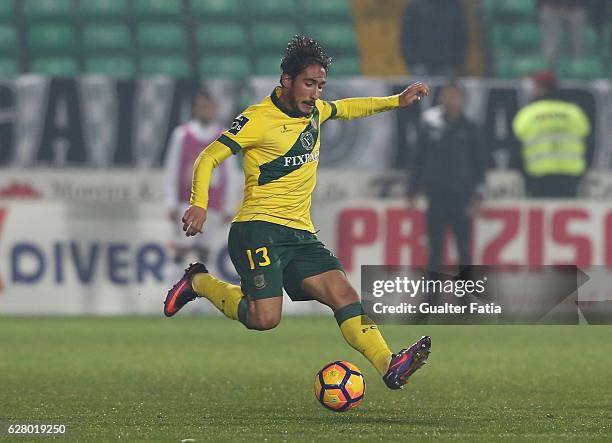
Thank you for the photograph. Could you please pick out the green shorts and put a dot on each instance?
(269, 257)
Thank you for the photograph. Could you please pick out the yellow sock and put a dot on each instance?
(225, 296)
(363, 335)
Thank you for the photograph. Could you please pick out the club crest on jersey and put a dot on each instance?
(307, 140)
(259, 281)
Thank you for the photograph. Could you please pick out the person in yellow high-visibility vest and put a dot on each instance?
(553, 135)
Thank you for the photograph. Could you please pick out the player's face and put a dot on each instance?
(204, 109)
(305, 88)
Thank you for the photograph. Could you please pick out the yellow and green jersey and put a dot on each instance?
(281, 155)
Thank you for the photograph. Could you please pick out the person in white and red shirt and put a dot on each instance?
(186, 143)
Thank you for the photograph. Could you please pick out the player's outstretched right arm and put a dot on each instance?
(211, 157)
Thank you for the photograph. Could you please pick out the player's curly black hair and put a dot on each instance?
(301, 52)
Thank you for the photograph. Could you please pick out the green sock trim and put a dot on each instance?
(348, 311)
(243, 311)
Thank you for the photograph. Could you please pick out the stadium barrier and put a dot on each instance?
(97, 242)
(95, 121)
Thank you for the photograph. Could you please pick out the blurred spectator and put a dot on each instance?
(186, 143)
(449, 167)
(434, 37)
(552, 133)
(556, 15)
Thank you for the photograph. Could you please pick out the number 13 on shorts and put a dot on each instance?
(261, 254)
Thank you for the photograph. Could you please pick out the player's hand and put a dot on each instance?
(193, 220)
(413, 93)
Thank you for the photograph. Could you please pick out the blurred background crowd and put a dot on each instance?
(238, 38)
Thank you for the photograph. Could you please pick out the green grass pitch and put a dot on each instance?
(209, 379)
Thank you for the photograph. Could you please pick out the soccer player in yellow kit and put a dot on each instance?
(272, 241)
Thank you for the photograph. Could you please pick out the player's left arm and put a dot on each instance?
(242, 134)
(211, 157)
(351, 108)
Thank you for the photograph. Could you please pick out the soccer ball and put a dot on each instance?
(339, 386)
